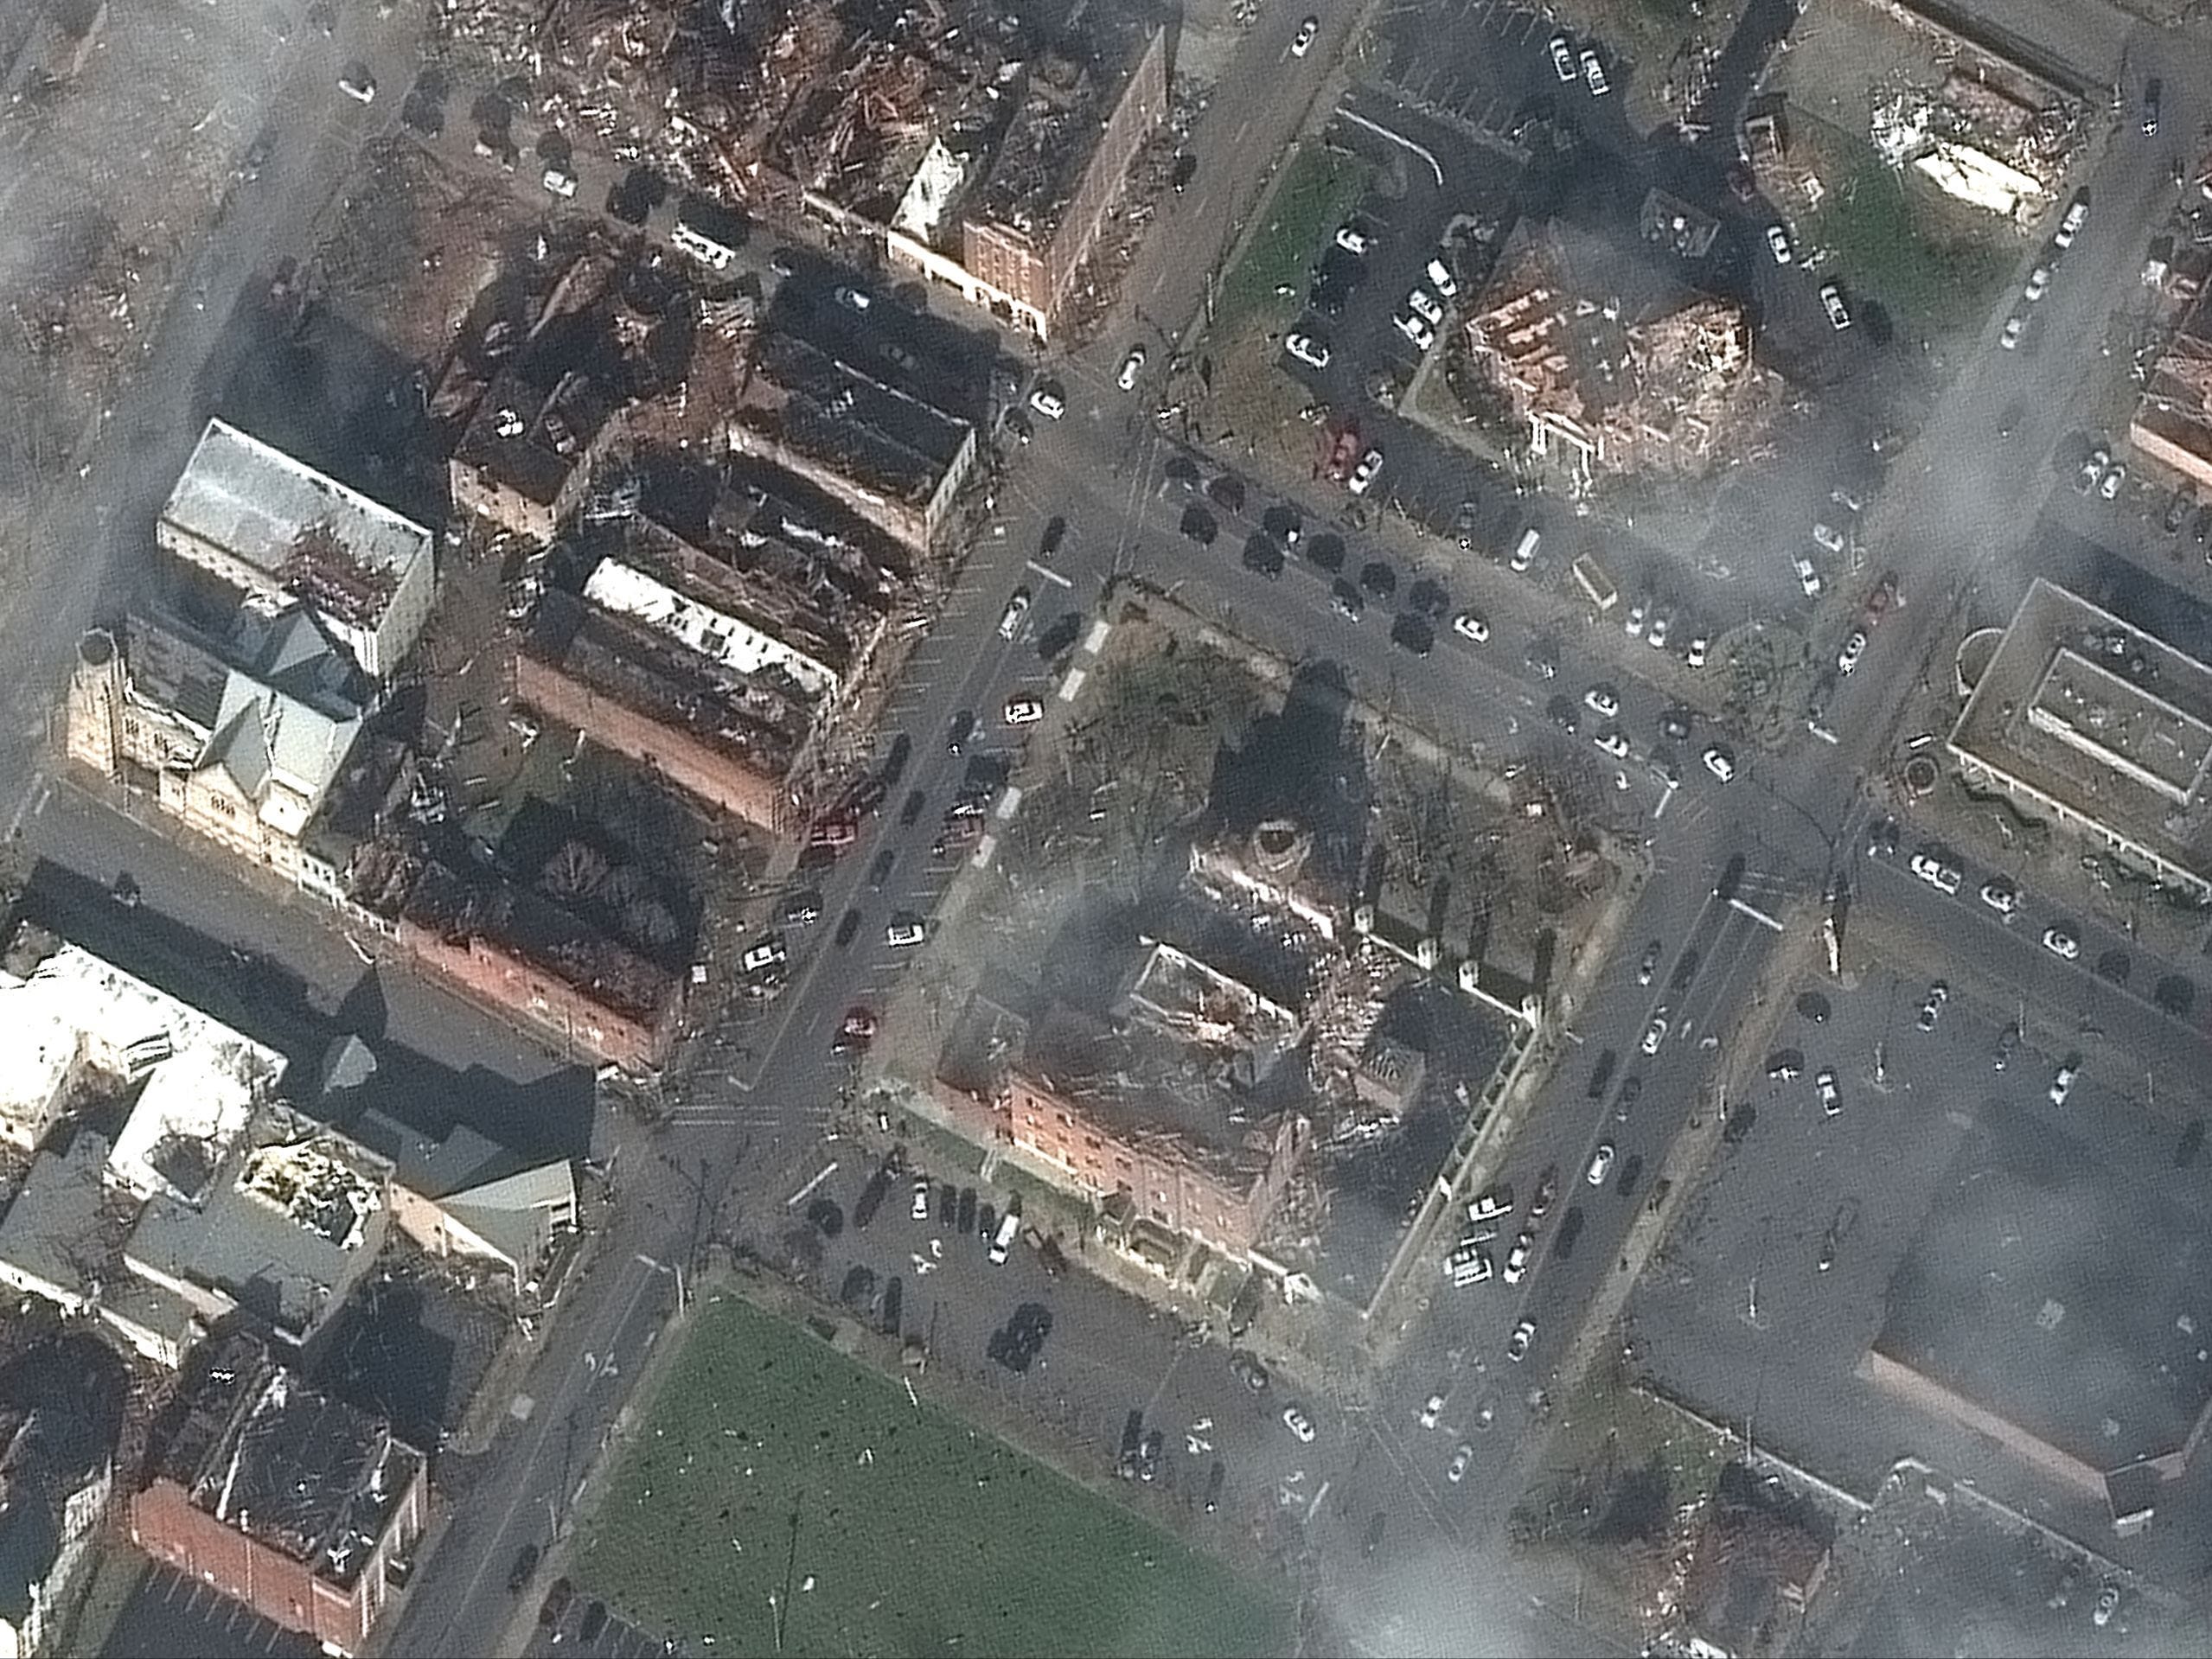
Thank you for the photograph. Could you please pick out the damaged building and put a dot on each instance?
(719, 634)
(525, 459)
(61, 1415)
(1605, 382)
(247, 737)
(267, 525)
(301, 1507)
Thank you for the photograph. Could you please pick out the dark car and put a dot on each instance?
(872, 1198)
(1675, 724)
(554, 1607)
(2153, 96)
(1631, 1092)
(1148, 1458)
(1263, 557)
(963, 728)
(526, 1563)
(257, 158)
(1055, 532)
(1561, 712)
(966, 1219)
(2177, 512)
(1412, 634)
(1631, 1171)
(1249, 1372)
(894, 764)
(1132, 1443)
(1215, 1476)
(1601, 1074)
(879, 871)
(847, 925)
(1570, 1231)
(910, 808)
(1731, 878)
(948, 1203)
(1542, 659)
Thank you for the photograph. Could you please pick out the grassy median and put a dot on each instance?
(782, 1498)
(1320, 186)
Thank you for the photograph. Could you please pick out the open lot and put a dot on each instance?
(782, 1495)
(1319, 185)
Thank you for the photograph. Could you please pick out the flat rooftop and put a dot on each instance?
(1069, 96)
(833, 411)
(307, 1476)
(2079, 706)
(2062, 1283)
(199, 1080)
(309, 533)
(723, 638)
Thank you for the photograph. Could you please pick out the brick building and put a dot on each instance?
(1030, 224)
(275, 1495)
(525, 461)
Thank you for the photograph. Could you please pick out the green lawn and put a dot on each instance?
(1890, 246)
(771, 1460)
(1319, 185)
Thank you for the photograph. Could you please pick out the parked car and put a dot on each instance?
(1593, 75)
(2061, 943)
(2061, 1082)
(1300, 1424)
(1307, 350)
(1778, 244)
(1720, 762)
(1302, 41)
(1354, 241)
(1563, 60)
(1132, 365)
(1517, 1345)
(1832, 300)
(1832, 1096)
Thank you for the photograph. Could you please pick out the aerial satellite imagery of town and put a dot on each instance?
(872, 828)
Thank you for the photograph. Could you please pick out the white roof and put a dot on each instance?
(628, 591)
(201, 1077)
(254, 500)
(929, 193)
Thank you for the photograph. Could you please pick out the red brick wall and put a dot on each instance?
(677, 756)
(167, 1527)
(507, 983)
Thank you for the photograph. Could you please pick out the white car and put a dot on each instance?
(1563, 60)
(2038, 284)
(1832, 300)
(920, 1209)
(1354, 242)
(1047, 403)
(1854, 648)
(769, 952)
(1937, 874)
(1299, 1424)
(1632, 624)
(1441, 279)
(1468, 626)
(2061, 943)
(1024, 712)
(2107, 1604)
(851, 298)
(1700, 646)
(1830, 539)
(1654, 1034)
(1516, 1258)
(2008, 337)
(1807, 577)
(2001, 897)
(1720, 762)
(2077, 216)
(2061, 1084)
(1831, 1098)
(359, 84)
(559, 183)
(1455, 1470)
(1778, 243)
(1600, 701)
(1010, 619)
(1593, 73)
(1601, 1165)
(1432, 1411)
(1517, 1345)
(1131, 365)
(905, 930)
(1300, 44)
(2110, 488)
(1660, 626)
(1612, 743)
(1363, 475)
(1415, 329)
(1426, 308)
(1307, 350)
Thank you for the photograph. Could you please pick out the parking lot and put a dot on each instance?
(169, 1614)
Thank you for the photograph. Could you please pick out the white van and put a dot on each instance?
(1002, 1242)
(1525, 554)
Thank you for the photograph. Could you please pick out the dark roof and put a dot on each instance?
(724, 227)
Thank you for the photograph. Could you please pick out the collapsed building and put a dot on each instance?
(271, 527)
(300, 1506)
(1608, 381)
(721, 633)
(2172, 424)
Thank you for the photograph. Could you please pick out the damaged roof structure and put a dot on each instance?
(715, 631)
(525, 459)
(1611, 383)
(277, 1494)
(266, 524)
(75, 1022)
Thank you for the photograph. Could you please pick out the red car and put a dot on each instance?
(836, 833)
(856, 1033)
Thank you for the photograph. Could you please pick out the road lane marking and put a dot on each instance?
(1049, 574)
(1756, 914)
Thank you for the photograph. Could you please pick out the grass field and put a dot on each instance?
(782, 1498)
(1892, 245)
(1319, 185)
